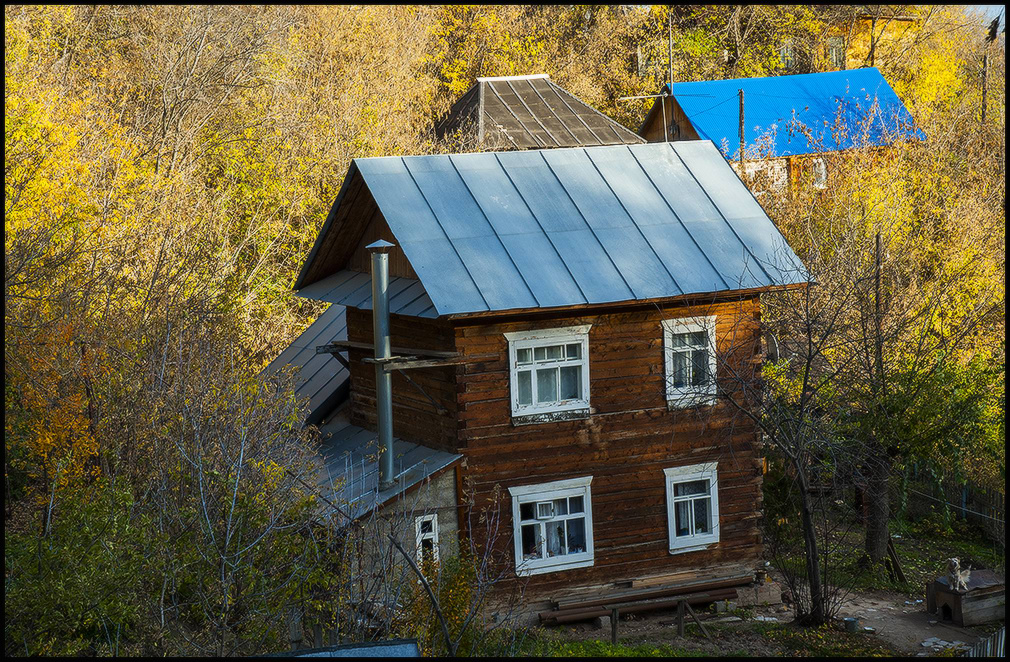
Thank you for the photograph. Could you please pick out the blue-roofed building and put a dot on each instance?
(788, 121)
(570, 323)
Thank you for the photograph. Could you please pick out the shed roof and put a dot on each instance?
(321, 378)
(562, 227)
(349, 471)
(839, 110)
(531, 112)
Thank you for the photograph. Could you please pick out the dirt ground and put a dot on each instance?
(899, 622)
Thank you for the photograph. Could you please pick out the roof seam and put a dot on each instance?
(726, 220)
(532, 114)
(586, 221)
(555, 88)
(496, 235)
(522, 125)
(447, 238)
(533, 215)
(633, 222)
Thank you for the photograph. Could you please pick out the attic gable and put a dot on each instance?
(504, 231)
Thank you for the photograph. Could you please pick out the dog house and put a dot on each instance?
(983, 601)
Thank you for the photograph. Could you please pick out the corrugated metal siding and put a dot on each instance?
(531, 112)
(545, 228)
(772, 103)
(321, 378)
(349, 474)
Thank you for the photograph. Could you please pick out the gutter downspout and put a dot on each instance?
(383, 380)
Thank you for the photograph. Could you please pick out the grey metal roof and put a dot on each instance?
(353, 288)
(560, 227)
(349, 475)
(321, 378)
(531, 112)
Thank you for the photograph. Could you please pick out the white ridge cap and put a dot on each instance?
(482, 79)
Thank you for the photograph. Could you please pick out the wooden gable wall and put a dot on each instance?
(653, 128)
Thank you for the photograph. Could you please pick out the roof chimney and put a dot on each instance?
(383, 380)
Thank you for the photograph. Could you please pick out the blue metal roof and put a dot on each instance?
(840, 109)
(570, 226)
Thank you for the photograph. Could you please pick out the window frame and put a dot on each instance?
(537, 338)
(819, 170)
(685, 474)
(420, 536)
(558, 489)
(689, 396)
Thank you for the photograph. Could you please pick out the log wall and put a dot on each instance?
(629, 438)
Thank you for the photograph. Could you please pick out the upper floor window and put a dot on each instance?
(820, 172)
(549, 370)
(692, 503)
(689, 345)
(552, 526)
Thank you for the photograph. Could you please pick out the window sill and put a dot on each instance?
(692, 400)
(527, 570)
(694, 548)
(550, 417)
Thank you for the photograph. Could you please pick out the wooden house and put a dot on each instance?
(567, 325)
(792, 126)
(528, 112)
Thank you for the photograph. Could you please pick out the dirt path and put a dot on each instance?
(904, 626)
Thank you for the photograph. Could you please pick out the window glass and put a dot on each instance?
(549, 374)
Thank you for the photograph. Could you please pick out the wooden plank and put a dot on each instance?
(344, 345)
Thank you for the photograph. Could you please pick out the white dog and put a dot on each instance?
(958, 578)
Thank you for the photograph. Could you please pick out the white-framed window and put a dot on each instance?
(836, 52)
(426, 535)
(552, 524)
(689, 346)
(549, 370)
(692, 506)
(820, 172)
(786, 54)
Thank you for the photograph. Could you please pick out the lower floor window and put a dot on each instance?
(692, 498)
(426, 532)
(552, 525)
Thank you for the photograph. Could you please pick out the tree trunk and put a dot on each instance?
(813, 560)
(879, 510)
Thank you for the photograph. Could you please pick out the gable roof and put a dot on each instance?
(840, 109)
(531, 112)
(503, 231)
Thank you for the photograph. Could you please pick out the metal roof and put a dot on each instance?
(531, 112)
(561, 227)
(353, 288)
(321, 378)
(839, 109)
(349, 475)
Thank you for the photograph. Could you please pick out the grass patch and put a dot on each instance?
(824, 641)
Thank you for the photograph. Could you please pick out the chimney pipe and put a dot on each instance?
(383, 380)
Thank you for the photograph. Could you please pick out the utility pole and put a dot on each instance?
(743, 140)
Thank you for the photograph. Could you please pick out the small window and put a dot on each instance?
(690, 361)
(820, 172)
(549, 370)
(786, 54)
(692, 499)
(836, 52)
(426, 532)
(552, 526)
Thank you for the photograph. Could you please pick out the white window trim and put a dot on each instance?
(419, 536)
(566, 335)
(820, 172)
(707, 471)
(689, 396)
(544, 492)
